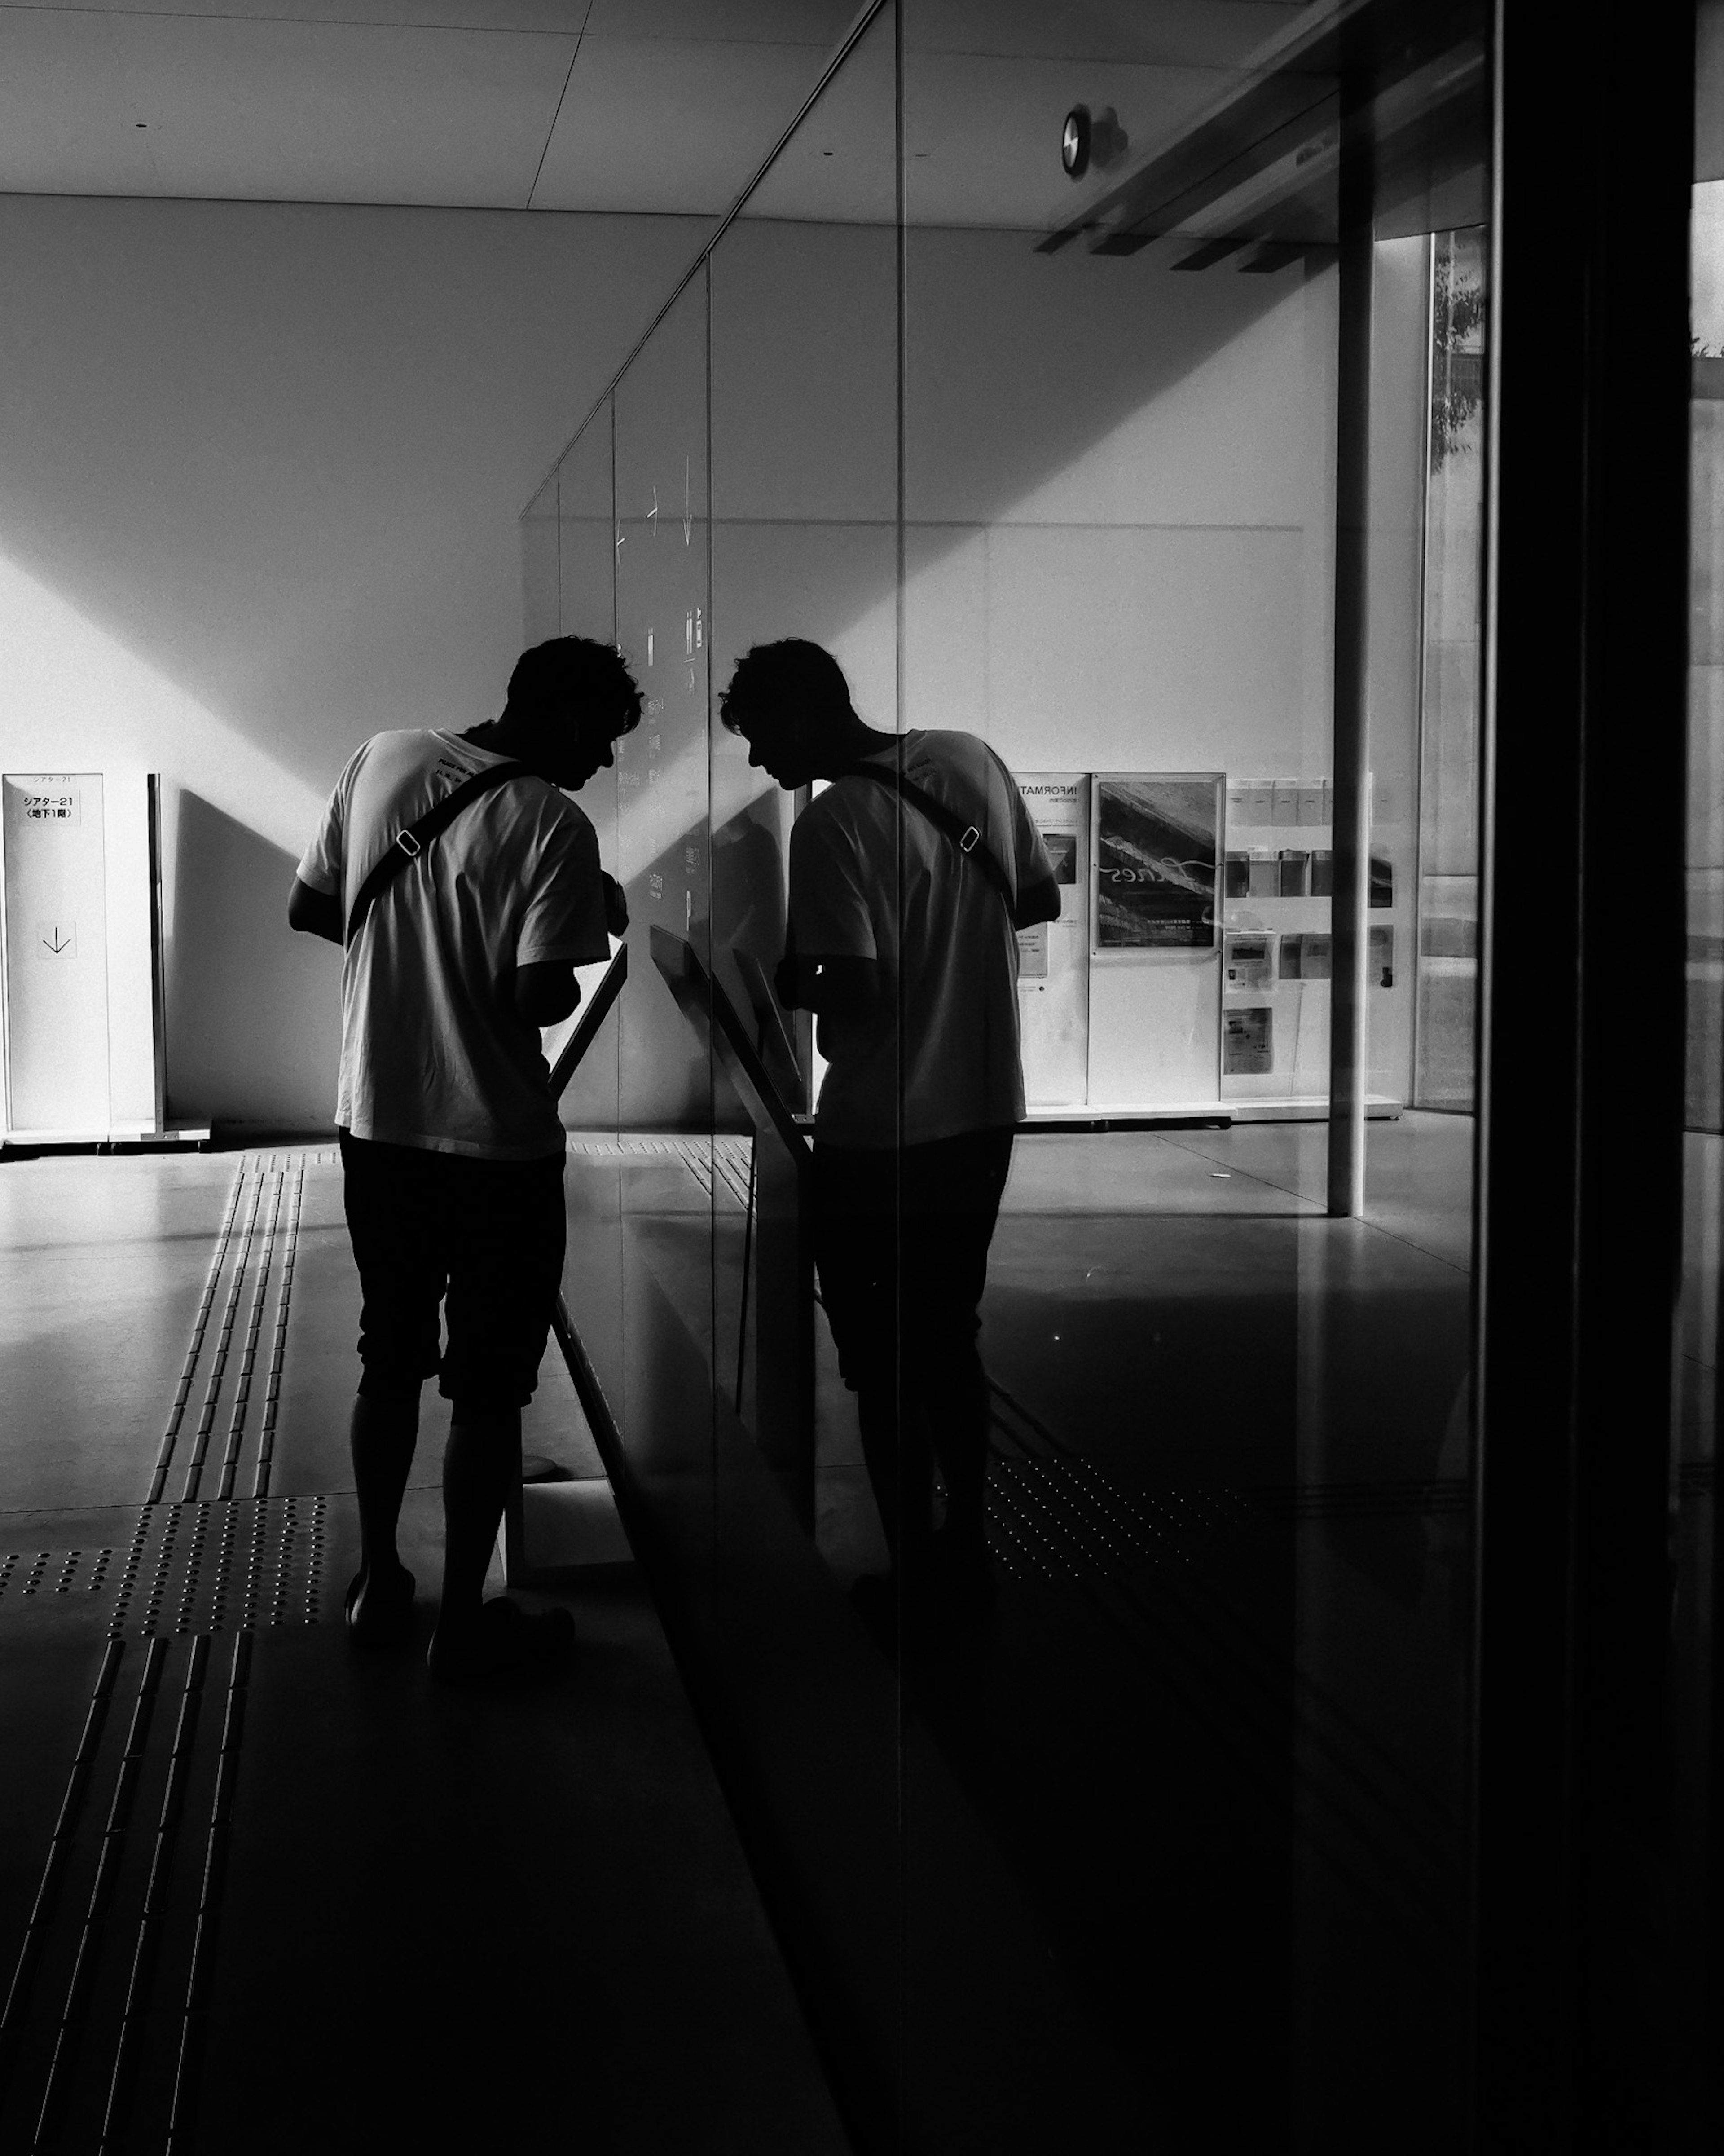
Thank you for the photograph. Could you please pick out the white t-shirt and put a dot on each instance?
(951, 954)
(432, 1054)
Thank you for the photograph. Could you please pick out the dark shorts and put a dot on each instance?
(484, 1238)
(900, 1240)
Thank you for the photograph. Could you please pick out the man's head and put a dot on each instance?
(568, 701)
(790, 702)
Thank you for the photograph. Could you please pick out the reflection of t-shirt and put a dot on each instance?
(432, 1054)
(871, 877)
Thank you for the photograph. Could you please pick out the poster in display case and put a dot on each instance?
(1053, 957)
(1156, 848)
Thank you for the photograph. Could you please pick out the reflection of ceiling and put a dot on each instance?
(636, 105)
(669, 105)
(591, 105)
(1399, 84)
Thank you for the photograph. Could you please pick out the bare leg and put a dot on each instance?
(382, 1435)
(483, 1451)
(476, 1639)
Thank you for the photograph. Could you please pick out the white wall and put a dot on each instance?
(260, 470)
(1120, 497)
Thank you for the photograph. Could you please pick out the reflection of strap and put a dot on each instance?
(965, 837)
(408, 844)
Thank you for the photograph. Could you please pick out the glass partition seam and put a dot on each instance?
(1349, 1073)
(1423, 660)
(616, 529)
(851, 38)
(900, 172)
(711, 958)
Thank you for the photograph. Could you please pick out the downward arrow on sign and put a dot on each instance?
(56, 943)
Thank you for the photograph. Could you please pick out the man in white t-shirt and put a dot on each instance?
(905, 898)
(452, 1146)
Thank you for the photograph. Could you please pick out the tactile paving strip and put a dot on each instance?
(209, 1563)
(1145, 1560)
(209, 1566)
(727, 1158)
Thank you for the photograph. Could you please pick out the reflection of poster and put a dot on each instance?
(1053, 958)
(1156, 845)
(1248, 1044)
(1062, 851)
(1250, 961)
(1316, 954)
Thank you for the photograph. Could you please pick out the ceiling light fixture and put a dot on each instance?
(1074, 142)
(1085, 140)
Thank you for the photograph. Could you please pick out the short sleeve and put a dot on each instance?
(830, 916)
(562, 923)
(322, 865)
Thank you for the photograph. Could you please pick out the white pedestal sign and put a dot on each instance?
(56, 952)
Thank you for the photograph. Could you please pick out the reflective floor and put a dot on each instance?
(1204, 1762)
(260, 1887)
(1189, 1802)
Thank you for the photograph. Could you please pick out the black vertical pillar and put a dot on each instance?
(1581, 1064)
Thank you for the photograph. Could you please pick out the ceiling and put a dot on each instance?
(636, 105)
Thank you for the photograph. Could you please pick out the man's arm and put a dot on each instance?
(846, 989)
(314, 912)
(1036, 901)
(545, 992)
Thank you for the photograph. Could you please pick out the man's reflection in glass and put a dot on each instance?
(910, 876)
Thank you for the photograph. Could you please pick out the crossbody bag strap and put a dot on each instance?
(408, 844)
(965, 837)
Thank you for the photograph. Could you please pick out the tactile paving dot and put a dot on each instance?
(207, 1566)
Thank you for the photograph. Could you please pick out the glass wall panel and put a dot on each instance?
(805, 442)
(1697, 1691)
(1164, 1841)
(804, 545)
(595, 1174)
(1118, 563)
(538, 564)
(666, 1088)
(586, 559)
(1447, 956)
(1132, 401)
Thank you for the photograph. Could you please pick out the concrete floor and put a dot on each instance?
(259, 1886)
(1215, 1735)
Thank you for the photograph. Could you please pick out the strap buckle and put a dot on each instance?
(970, 841)
(408, 844)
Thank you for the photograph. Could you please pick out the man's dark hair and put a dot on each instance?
(574, 671)
(792, 675)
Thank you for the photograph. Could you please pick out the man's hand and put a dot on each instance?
(616, 907)
(314, 912)
(845, 989)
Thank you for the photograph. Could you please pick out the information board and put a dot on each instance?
(1053, 957)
